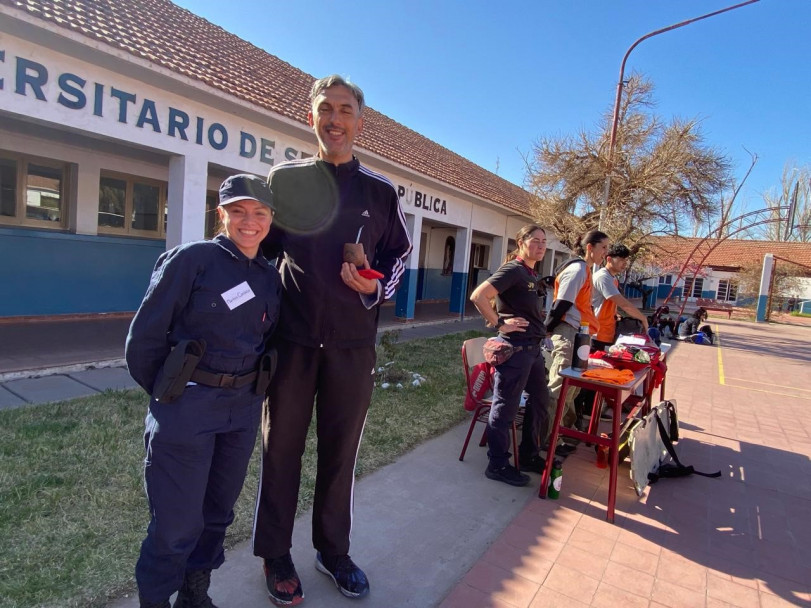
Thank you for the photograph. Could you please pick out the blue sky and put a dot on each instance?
(486, 79)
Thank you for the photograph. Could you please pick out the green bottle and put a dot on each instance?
(555, 480)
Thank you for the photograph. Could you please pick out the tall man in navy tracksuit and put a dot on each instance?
(326, 336)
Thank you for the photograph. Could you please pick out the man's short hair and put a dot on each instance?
(334, 81)
(618, 251)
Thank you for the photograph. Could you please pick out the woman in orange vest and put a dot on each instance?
(571, 308)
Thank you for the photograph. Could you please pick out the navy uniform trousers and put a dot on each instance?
(525, 370)
(197, 453)
(340, 382)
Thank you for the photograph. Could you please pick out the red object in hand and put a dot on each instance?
(369, 273)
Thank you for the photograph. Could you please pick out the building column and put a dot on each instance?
(765, 283)
(407, 291)
(84, 219)
(464, 236)
(498, 251)
(186, 200)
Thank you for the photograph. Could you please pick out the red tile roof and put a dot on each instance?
(176, 39)
(732, 254)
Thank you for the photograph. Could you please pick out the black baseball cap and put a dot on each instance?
(245, 186)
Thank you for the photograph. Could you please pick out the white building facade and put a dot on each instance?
(107, 159)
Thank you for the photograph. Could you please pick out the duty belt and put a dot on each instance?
(526, 347)
(223, 380)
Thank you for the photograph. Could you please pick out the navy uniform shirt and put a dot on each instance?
(185, 301)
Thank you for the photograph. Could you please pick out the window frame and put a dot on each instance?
(130, 181)
(692, 282)
(730, 287)
(20, 219)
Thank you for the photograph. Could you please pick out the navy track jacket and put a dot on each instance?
(320, 207)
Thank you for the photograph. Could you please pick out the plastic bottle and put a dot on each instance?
(582, 347)
(555, 480)
(602, 456)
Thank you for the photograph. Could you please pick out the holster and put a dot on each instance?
(178, 369)
(264, 374)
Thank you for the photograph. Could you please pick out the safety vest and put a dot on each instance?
(583, 299)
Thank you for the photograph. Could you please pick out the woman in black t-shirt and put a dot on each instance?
(518, 317)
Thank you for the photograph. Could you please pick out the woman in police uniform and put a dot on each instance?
(517, 290)
(197, 346)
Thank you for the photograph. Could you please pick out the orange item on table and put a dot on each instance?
(611, 376)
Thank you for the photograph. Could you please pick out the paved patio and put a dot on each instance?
(742, 540)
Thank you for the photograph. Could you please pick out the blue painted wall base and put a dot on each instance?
(406, 295)
(762, 304)
(55, 273)
(458, 292)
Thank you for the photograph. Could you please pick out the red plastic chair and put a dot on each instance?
(472, 356)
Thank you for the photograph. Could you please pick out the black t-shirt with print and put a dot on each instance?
(520, 293)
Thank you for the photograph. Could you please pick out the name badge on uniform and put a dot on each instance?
(236, 296)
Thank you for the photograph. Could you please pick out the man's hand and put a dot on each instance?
(350, 276)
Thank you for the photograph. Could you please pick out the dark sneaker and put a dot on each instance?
(564, 449)
(533, 464)
(508, 474)
(350, 580)
(284, 586)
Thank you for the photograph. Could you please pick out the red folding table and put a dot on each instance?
(615, 395)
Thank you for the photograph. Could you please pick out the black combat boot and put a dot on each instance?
(194, 592)
(147, 604)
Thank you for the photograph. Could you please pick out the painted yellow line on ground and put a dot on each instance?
(793, 388)
(760, 390)
(720, 360)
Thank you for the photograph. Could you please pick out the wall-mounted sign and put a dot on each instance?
(421, 200)
(73, 91)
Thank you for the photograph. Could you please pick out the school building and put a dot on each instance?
(119, 120)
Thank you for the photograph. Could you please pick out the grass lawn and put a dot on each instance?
(72, 508)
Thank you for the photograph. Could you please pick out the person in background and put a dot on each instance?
(214, 303)
(607, 297)
(518, 318)
(662, 321)
(571, 307)
(694, 325)
(326, 338)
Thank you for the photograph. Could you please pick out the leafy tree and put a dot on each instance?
(665, 179)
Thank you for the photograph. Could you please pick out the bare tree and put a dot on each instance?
(786, 279)
(777, 201)
(665, 179)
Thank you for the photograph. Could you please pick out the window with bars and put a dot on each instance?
(727, 290)
(693, 288)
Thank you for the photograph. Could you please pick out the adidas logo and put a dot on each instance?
(365, 213)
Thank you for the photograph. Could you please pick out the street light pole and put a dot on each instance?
(612, 142)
